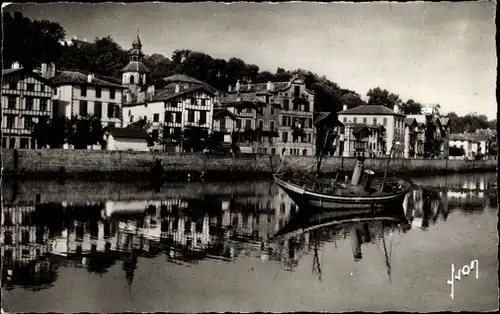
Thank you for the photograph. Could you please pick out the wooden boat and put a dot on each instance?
(348, 198)
(359, 193)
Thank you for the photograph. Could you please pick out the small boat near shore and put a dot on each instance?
(359, 193)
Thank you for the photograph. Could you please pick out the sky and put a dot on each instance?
(438, 52)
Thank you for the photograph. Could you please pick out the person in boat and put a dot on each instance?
(346, 180)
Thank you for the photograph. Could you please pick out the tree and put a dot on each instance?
(382, 97)
(352, 99)
(30, 42)
(41, 132)
(411, 107)
(159, 65)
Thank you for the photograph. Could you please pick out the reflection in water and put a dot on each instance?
(41, 237)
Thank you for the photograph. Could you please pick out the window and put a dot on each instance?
(43, 104)
(83, 108)
(112, 93)
(271, 126)
(132, 79)
(309, 137)
(156, 117)
(12, 102)
(4, 142)
(203, 117)
(374, 121)
(30, 87)
(98, 92)
(29, 103)
(13, 85)
(248, 124)
(190, 115)
(310, 120)
(385, 121)
(284, 118)
(286, 104)
(304, 152)
(364, 120)
(306, 107)
(25, 143)
(345, 119)
(296, 92)
(238, 124)
(178, 117)
(168, 117)
(261, 124)
(10, 122)
(28, 122)
(203, 102)
(355, 120)
(249, 110)
(284, 137)
(83, 91)
(272, 110)
(187, 227)
(111, 110)
(98, 109)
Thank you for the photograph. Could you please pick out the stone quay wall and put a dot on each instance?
(78, 162)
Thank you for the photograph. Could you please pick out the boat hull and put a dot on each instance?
(308, 199)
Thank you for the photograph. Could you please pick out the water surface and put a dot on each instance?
(108, 247)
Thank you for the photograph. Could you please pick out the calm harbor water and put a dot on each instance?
(194, 247)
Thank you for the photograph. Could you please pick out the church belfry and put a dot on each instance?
(135, 73)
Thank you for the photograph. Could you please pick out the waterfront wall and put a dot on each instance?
(99, 161)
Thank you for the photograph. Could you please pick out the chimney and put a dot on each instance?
(396, 109)
(344, 107)
(177, 88)
(89, 78)
(129, 97)
(249, 84)
(269, 86)
(141, 97)
(15, 65)
(151, 90)
(229, 88)
(45, 70)
(74, 37)
(237, 88)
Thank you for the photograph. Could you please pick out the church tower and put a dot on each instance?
(135, 73)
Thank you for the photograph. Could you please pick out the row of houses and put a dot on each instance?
(264, 118)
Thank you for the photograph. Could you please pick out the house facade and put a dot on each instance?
(175, 111)
(84, 95)
(284, 125)
(363, 140)
(378, 116)
(26, 97)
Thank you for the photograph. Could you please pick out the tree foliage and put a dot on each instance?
(469, 123)
(30, 42)
(382, 97)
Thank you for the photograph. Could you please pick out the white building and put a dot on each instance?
(84, 95)
(375, 115)
(126, 139)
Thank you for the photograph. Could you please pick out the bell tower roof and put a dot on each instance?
(137, 42)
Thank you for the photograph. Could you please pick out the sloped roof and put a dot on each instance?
(223, 112)
(135, 66)
(411, 121)
(76, 77)
(6, 72)
(181, 78)
(128, 133)
(478, 137)
(10, 71)
(261, 88)
(371, 110)
(241, 100)
(320, 117)
(168, 92)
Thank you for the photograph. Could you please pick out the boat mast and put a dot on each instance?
(320, 158)
(387, 166)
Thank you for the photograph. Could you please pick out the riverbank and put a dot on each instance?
(117, 165)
